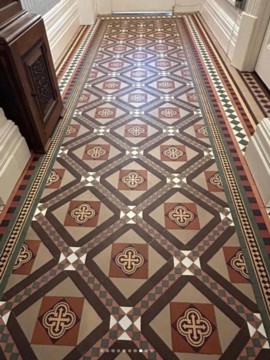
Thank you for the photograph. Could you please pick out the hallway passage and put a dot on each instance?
(140, 234)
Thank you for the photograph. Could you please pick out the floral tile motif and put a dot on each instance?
(181, 216)
(72, 130)
(96, 152)
(58, 321)
(132, 180)
(136, 130)
(129, 261)
(26, 257)
(200, 131)
(194, 328)
(214, 181)
(173, 153)
(83, 213)
(55, 178)
(236, 265)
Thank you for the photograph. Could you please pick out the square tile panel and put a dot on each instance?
(107, 112)
(128, 284)
(104, 113)
(96, 152)
(132, 180)
(58, 321)
(181, 216)
(173, 153)
(72, 130)
(129, 261)
(138, 98)
(83, 213)
(193, 328)
(136, 130)
(111, 86)
(170, 114)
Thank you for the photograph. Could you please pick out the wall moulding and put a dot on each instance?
(62, 23)
(223, 19)
(14, 155)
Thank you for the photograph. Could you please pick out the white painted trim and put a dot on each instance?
(184, 6)
(258, 159)
(14, 155)
(62, 23)
(87, 11)
(244, 41)
(223, 19)
(251, 35)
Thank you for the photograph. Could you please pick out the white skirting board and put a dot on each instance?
(258, 159)
(62, 23)
(14, 155)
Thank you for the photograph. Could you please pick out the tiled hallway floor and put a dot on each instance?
(141, 235)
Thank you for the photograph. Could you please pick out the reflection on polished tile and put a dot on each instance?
(135, 250)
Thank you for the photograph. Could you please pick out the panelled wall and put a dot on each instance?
(224, 20)
(62, 23)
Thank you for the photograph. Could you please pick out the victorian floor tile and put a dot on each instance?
(141, 234)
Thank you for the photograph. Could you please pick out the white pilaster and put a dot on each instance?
(87, 11)
(258, 159)
(14, 155)
(251, 32)
(253, 7)
(223, 18)
(62, 23)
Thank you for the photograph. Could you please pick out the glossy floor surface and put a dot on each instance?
(141, 235)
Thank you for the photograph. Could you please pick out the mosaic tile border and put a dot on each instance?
(13, 235)
(260, 263)
(258, 89)
(244, 177)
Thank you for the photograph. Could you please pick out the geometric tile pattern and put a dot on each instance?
(141, 241)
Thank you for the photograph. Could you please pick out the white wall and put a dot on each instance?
(87, 11)
(62, 23)
(104, 6)
(183, 6)
(223, 19)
